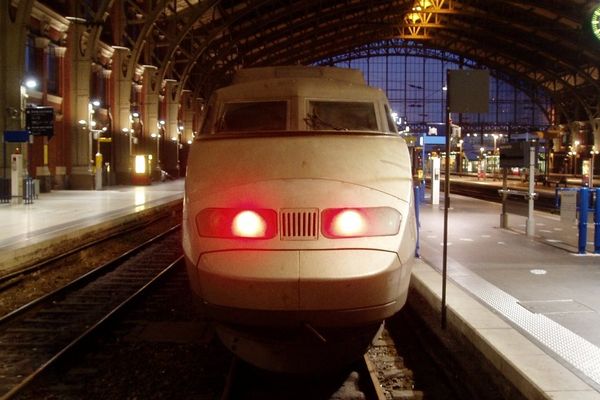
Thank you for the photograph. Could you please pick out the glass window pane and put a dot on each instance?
(254, 116)
(339, 116)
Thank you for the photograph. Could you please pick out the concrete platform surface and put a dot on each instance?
(61, 215)
(531, 305)
(545, 293)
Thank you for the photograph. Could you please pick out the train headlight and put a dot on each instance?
(237, 223)
(249, 224)
(349, 223)
(360, 222)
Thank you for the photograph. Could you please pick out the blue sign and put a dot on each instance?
(16, 136)
(471, 152)
(433, 140)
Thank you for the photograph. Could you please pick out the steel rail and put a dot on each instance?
(90, 331)
(89, 276)
(22, 272)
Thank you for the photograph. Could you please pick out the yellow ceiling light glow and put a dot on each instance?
(414, 17)
(424, 4)
(424, 17)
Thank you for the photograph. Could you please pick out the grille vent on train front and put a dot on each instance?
(299, 224)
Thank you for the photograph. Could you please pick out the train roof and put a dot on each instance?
(348, 75)
(299, 81)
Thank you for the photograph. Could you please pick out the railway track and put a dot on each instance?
(26, 284)
(37, 335)
(490, 193)
(14, 277)
(358, 382)
(180, 357)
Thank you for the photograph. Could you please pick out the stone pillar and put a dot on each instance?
(60, 142)
(187, 112)
(199, 109)
(39, 160)
(187, 135)
(122, 138)
(149, 111)
(13, 30)
(596, 132)
(171, 142)
(81, 174)
(106, 149)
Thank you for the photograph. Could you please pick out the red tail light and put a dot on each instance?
(360, 222)
(237, 223)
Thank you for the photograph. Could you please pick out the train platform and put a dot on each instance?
(61, 218)
(530, 304)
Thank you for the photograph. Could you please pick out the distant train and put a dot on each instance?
(299, 226)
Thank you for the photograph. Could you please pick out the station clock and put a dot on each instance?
(595, 21)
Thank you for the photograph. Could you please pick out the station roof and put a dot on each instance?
(200, 43)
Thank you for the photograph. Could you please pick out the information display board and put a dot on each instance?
(39, 121)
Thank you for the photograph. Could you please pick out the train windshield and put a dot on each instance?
(341, 116)
(253, 116)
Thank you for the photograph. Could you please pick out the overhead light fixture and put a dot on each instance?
(31, 83)
(424, 4)
(414, 17)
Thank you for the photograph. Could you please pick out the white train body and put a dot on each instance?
(298, 213)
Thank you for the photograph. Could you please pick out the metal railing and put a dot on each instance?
(588, 201)
(4, 190)
(30, 190)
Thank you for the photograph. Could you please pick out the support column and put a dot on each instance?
(596, 132)
(39, 161)
(198, 113)
(171, 142)
(187, 112)
(80, 63)
(59, 145)
(149, 111)
(13, 31)
(121, 113)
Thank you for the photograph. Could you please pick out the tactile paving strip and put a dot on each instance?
(578, 352)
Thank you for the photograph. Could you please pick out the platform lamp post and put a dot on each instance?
(460, 156)
(177, 140)
(128, 132)
(593, 153)
(575, 146)
(92, 105)
(156, 136)
(495, 154)
(481, 171)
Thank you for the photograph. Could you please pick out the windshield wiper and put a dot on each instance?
(315, 122)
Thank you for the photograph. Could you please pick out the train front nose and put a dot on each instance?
(321, 287)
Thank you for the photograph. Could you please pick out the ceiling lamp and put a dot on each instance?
(422, 5)
(413, 17)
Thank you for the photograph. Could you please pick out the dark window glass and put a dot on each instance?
(390, 120)
(53, 78)
(341, 116)
(253, 116)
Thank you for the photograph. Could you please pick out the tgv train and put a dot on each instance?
(299, 230)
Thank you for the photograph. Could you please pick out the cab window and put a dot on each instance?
(341, 116)
(253, 116)
(390, 121)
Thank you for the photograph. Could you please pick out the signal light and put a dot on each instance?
(349, 223)
(360, 222)
(237, 223)
(248, 224)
